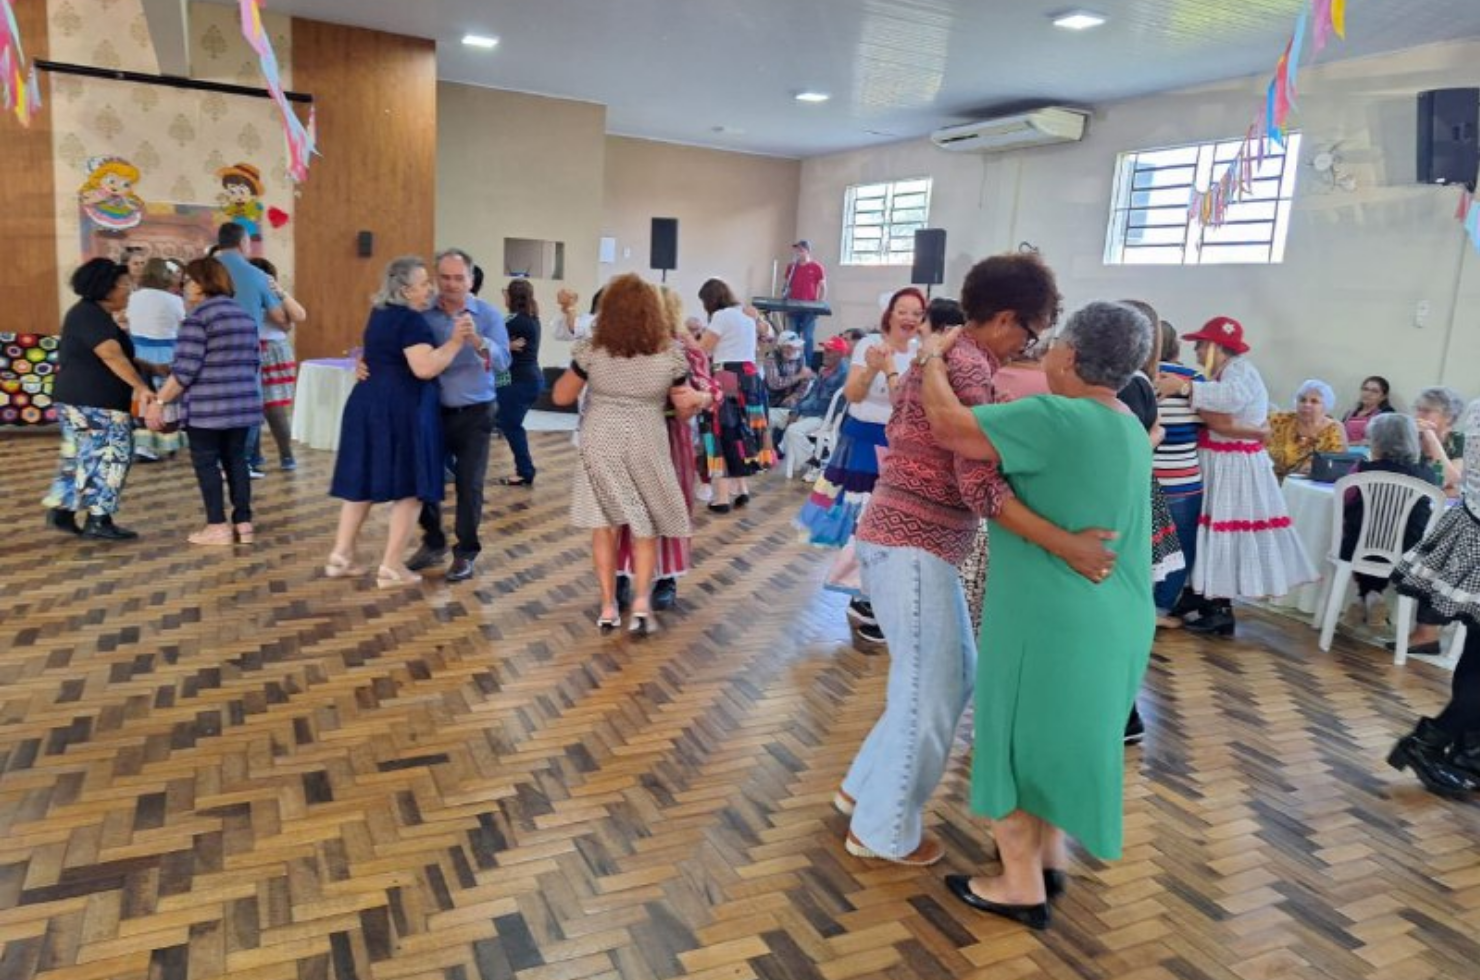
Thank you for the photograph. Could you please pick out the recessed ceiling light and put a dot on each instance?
(812, 96)
(1078, 20)
(479, 41)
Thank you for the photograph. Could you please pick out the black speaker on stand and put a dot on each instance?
(930, 258)
(664, 252)
(1448, 142)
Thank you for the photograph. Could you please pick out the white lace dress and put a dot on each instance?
(1246, 547)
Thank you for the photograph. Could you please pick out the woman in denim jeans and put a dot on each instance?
(920, 523)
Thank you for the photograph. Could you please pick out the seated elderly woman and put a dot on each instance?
(1051, 704)
(1372, 402)
(1295, 437)
(788, 378)
(1394, 442)
(1437, 410)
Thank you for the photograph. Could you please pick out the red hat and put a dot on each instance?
(1224, 331)
(836, 343)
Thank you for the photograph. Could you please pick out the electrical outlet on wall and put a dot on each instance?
(1421, 313)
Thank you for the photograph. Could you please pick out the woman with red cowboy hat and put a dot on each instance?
(1246, 547)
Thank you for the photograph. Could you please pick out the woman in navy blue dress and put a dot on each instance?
(390, 437)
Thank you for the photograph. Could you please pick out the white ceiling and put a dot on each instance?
(723, 73)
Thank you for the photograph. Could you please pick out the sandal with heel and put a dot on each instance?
(339, 566)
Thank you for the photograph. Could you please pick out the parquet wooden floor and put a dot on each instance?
(220, 763)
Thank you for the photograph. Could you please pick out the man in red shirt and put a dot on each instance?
(806, 279)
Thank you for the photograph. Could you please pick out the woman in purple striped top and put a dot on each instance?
(215, 378)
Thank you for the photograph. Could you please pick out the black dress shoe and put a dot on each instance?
(1055, 882)
(103, 529)
(1426, 751)
(1032, 916)
(1215, 620)
(665, 593)
(61, 519)
(426, 558)
(741, 500)
(1429, 649)
(461, 570)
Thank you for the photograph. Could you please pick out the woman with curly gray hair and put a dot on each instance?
(390, 437)
(1051, 702)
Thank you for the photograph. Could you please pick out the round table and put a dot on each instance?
(1310, 505)
(323, 388)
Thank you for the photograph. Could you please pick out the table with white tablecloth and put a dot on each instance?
(1310, 506)
(323, 388)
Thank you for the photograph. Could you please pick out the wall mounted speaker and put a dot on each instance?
(930, 257)
(365, 244)
(1448, 143)
(664, 254)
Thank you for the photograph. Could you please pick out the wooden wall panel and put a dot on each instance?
(27, 225)
(376, 100)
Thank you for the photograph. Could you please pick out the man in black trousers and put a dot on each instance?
(467, 396)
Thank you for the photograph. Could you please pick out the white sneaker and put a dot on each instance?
(704, 493)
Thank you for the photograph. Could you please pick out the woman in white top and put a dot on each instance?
(831, 511)
(155, 310)
(736, 432)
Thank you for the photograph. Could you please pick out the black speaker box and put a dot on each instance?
(1448, 147)
(664, 253)
(930, 257)
(365, 244)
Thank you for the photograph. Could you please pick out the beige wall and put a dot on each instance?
(521, 166)
(736, 213)
(1341, 306)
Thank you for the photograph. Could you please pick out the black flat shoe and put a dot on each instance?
(719, 508)
(1032, 916)
(1220, 623)
(61, 519)
(665, 594)
(742, 500)
(103, 529)
(1055, 882)
(1429, 649)
(516, 481)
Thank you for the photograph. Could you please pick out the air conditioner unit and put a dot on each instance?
(1039, 127)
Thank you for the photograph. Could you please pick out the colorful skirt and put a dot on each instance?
(1443, 571)
(737, 432)
(841, 492)
(148, 443)
(673, 553)
(279, 373)
(1166, 547)
(1246, 546)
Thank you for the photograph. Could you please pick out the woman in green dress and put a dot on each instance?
(1061, 656)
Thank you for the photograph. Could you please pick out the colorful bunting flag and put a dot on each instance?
(18, 89)
(301, 140)
(1324, 18)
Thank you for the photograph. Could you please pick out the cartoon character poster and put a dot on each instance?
(240, 197)
(107, 196)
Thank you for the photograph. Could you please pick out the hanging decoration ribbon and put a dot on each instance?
(1468, 215)
(301, 140)
(1210, 207)
(18, 87)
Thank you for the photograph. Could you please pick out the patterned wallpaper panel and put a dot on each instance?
(171, 144)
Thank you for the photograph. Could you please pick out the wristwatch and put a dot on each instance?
(924, 357)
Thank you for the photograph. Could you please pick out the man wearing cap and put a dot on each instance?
(794, 434)
(806, 280)
(788, 377)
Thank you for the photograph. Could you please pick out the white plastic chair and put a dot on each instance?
(825, 438)
(820, 440)
(1387, 501)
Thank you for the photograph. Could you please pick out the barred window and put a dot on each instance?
(1150, 224)
(880, 221)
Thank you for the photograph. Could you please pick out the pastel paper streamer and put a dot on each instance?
(19, 92)
(1338, 18)
(1322, 16)
(1297, 44)
(300, 140)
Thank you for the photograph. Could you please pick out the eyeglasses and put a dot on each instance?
(1371, 391)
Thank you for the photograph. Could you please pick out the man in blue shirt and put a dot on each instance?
(467, 395)
(254, 293)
